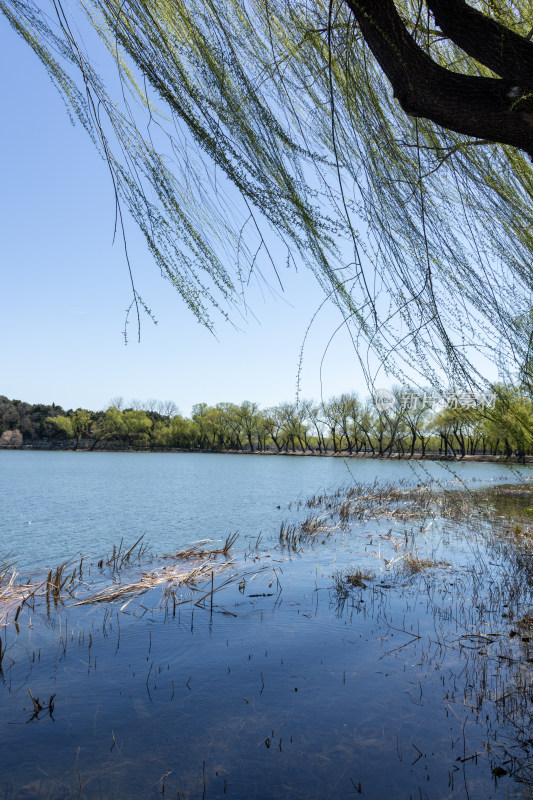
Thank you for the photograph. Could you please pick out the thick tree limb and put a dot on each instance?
(492, 44)
(485, 108)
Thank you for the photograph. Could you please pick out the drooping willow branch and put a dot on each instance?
(257, 132)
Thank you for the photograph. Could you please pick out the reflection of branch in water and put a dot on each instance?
(38, 707)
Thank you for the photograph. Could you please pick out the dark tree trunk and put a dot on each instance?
(497, 109)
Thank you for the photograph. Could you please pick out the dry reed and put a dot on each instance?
(174, 575)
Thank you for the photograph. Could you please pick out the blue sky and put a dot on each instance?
(65, 287)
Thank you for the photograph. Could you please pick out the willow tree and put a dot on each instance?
(384, 144)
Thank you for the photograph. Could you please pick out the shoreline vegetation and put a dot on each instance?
(343, 426)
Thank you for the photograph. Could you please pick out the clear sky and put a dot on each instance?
(65, 287)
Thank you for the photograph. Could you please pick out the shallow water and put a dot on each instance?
(56, 504)
(286, 687)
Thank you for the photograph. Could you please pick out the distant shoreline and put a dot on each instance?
(395, 456)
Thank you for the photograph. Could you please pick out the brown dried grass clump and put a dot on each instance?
(120, 557)
(401, 501)
(358, 578)
(12, 595)
(61, 584)
(199, 552)
(413, 563)
(15, 595)
(343, 582)
(312, 528)
(173, 575)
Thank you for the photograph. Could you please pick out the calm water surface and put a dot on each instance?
(285, 689)
(54, 505)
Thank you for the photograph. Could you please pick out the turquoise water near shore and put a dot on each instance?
(54, 505)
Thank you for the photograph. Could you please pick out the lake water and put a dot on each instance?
(285, 683)
(54, 505)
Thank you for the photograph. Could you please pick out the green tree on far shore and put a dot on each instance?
(75, 425)
(341, 425)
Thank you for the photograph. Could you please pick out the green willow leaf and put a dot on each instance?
(252, 128)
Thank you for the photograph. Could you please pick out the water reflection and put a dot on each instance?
(295, 680)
